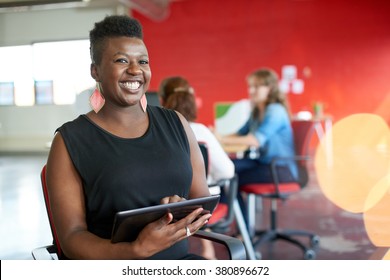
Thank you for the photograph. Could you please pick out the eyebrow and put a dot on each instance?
(127, 55)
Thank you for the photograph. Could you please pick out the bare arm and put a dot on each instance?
(199, 187)
(236, 139)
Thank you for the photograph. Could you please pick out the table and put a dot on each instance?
(235, 151)
(323, 129)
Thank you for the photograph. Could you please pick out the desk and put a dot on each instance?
(235, 151)
(323, 128)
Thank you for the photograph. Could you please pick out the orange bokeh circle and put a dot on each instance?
(358, 160)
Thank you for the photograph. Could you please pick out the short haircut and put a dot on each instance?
(110, 27)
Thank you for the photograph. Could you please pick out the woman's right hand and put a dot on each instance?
(162, 234)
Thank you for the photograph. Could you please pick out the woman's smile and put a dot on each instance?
(131, 86)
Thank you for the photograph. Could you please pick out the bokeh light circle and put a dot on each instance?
(349, 173)
(377, 218)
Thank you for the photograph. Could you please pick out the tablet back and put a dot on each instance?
(128, 224)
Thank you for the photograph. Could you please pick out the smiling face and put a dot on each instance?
(123, 71)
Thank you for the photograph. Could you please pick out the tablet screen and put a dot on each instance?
(127, 224)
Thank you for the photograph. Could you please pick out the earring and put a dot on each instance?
(97, 99)
(143, 102)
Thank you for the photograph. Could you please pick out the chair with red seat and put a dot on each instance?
(278, 191)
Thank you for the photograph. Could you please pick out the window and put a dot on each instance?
(44, 73)
(66, 64)
(7, 93)
(43, 92)
(16, 66)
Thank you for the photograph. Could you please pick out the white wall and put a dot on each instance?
(23, 28)
(30, 128)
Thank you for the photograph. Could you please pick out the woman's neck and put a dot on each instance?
(122, 123)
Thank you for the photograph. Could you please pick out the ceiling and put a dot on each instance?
(154, 9)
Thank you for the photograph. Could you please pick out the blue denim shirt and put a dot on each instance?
(274, 134)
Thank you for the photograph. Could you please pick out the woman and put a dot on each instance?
(170, 85)
(268, 130)
(182, 100)
(220, 166)
(110, 159)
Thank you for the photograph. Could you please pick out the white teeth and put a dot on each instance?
(132, 85)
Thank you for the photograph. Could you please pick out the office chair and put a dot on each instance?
(276, 191)
(228, 212)
(223, 215)
(235, 249)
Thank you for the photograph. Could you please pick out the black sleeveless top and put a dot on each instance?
(122, 174)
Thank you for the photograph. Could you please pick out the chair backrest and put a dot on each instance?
(205, 153)
(56, 242)
(229, 185)
(303, 131)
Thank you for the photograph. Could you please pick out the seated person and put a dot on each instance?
(268, 129)
(110, 159)
(170, 85)
(220, 165)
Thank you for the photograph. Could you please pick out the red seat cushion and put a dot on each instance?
(219, 213)
(269, 188)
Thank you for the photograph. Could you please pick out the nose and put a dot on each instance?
(251, 90)
(134, 69)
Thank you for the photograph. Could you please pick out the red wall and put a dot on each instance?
(344, 43)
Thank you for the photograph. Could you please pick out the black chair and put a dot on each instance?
(235, 249)
(278, 191)
(227, 217)
(223, 215)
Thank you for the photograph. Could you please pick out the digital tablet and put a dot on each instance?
(127, 224)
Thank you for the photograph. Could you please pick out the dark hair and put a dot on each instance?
(109, 27)
(184, 102)
(171, 85)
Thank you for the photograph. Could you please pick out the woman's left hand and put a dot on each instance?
(171, 199)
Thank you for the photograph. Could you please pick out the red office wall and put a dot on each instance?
(341, 50)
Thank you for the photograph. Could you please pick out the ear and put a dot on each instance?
(94, 72)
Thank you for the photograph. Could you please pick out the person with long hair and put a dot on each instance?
(268, 132)
(182, 99)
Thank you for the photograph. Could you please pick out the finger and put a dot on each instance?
(165, 220)
(199, 223)
(164, 200)
(175, 198)
(187, 220)
(196, 225)
(170, 199)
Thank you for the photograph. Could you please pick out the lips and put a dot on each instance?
(134, 85)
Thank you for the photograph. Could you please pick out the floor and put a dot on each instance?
(24, 224)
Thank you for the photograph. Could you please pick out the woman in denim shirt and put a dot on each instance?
(268, 132)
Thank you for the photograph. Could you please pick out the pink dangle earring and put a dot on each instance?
(143, 102)
(97, 99)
